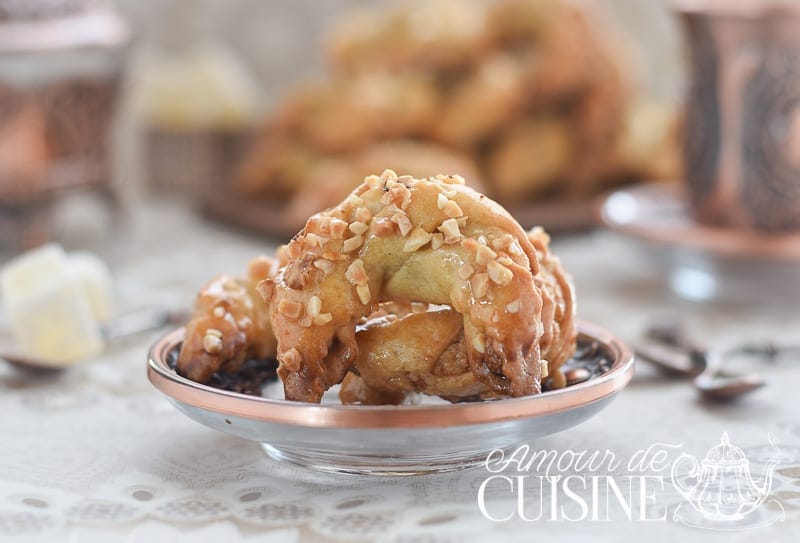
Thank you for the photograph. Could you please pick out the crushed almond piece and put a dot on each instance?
(290, 309)
(244, 323)
(388, 175)
(513, 307)
(373, 181)
(503, 242)
(292, 359)
(405, 179)
(322, 319)
(356, 273)
(363, 215)
(544, 365)
(325, 266)
(418, 238)
(452, 209)
(465, 271)
(219, 311)
(485, 255)
(403, 223)
(450, 230)
(505, 260)
(266, 288)
(214, 332)
(337, 228)
(480, 285)
(383, 227)
(325, 226)
(470, 244)
(364, 294)
(314, 306)
(212, 344)
(351, 244)
(307, 321)
(437, 240)
(499, 273)
(294, 250)
(479, 343)
(441, 200)
(358, 228)
(314, 240)
(355, 201)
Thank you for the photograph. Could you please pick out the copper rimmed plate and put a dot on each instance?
(703, 262)
(397, 440)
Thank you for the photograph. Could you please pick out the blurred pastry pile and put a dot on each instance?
(531, 97)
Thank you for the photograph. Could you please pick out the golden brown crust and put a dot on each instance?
(378, 245)
(230, 324)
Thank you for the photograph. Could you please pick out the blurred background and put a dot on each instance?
(175, 139)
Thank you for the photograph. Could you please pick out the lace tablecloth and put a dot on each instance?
(96, 454)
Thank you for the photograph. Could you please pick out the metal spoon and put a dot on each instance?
(128, 324)
(674, 352)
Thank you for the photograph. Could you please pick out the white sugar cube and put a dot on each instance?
(95, 277)
(47, 304)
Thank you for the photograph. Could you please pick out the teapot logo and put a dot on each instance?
(722, 491)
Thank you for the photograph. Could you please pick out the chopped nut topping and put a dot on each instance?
(363, 215)
(356, 273)
(437, 240)
(479, 343)
(212, 344)
(450, 193)
(332, 256)
(505, 260)
(383, 227)
(441, 201)
(337, 228)
(485, 255)
(244, 323)
(292, 359)
(544, 365)
(513, 307)
(405, 179)
(355, 201)
(307, 321)
(418, 238)
(213, 332)
(363, 294)
(373, 181)
(290, 309)
(450, 230)
(219, 311)
(403, 223)
(325, 266)
(452, 210)
(314, 240)
(388, 175)
(266, 288)
(480, 285)
(499, 273)
(325, 226)
(314, 306)
(465, 271)
(358, 228)
(295, 250)
(503, 242)
(351, 244)
(470, 244)
(322, 319)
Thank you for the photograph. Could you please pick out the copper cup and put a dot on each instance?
(742, 140)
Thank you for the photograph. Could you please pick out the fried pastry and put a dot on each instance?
(230, 324)
(375, 246)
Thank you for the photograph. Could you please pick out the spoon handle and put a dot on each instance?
(141, 320)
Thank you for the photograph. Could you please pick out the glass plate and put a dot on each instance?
(432, 435)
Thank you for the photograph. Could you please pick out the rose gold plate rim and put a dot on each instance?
(685, 232)
(420, 416)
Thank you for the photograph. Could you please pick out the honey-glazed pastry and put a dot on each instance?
(433, 35)
(375, 246)
(229, 325)
(426, 352)
(532, 158)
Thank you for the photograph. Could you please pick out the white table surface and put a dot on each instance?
(97, 454)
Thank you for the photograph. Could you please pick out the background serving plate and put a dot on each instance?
(397, 440)
(703, 262)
